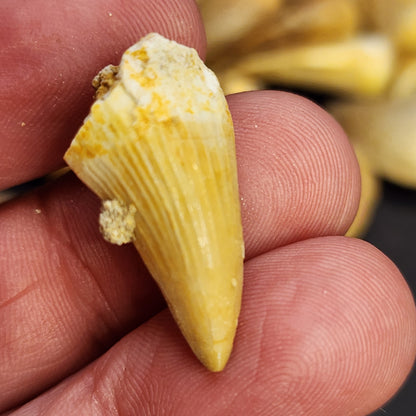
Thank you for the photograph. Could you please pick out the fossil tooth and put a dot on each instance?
(371, 192)
(158, 148)
(396, 18)
(233, 82)
(305, 22)
(404, 83)
(227, 20)
(385, 130)
(361, 66)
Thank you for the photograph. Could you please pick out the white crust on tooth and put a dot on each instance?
(145, 73)
(117, 222)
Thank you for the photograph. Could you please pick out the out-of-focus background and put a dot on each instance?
(357, 59)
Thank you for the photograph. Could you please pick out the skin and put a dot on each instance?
(328, 323)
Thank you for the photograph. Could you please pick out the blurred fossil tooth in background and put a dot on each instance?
(397, 18)
(233, 81)
(288, 23)
(404, 81)
(305, 22)
(158, 148)
(226, 21)
(361, 66)
(363, 50)
(371, 190)
(405, 29)
(317, 21)
(385, 130)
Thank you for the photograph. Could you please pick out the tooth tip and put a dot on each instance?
(215, 355)
(215, 363)
(208, 323)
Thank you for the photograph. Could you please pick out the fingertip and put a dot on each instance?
(298, 174)
(327, 328)
(339, 319)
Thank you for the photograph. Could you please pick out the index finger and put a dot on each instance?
(53, 50)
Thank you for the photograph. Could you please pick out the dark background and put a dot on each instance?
(393, 232)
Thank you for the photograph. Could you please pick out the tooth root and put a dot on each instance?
(161, 141)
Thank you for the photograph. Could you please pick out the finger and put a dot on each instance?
(89, 292)
(71, 293)
(53, 50)
(298, 175)
(327, 328)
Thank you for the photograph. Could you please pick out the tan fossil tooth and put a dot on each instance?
(158, 147)
(371, 190)
(385, 131)
(226, 21)
(397, 18)
(305, 22)
(404, 81)
(361, 66)
(233, 82)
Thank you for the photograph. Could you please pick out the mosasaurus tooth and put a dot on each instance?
(158, 148)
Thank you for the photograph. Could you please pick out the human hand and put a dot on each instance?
(327, 324)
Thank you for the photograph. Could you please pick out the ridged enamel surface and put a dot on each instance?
(162, 140)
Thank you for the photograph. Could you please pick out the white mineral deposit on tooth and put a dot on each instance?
(117, 222)
(158, 146)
